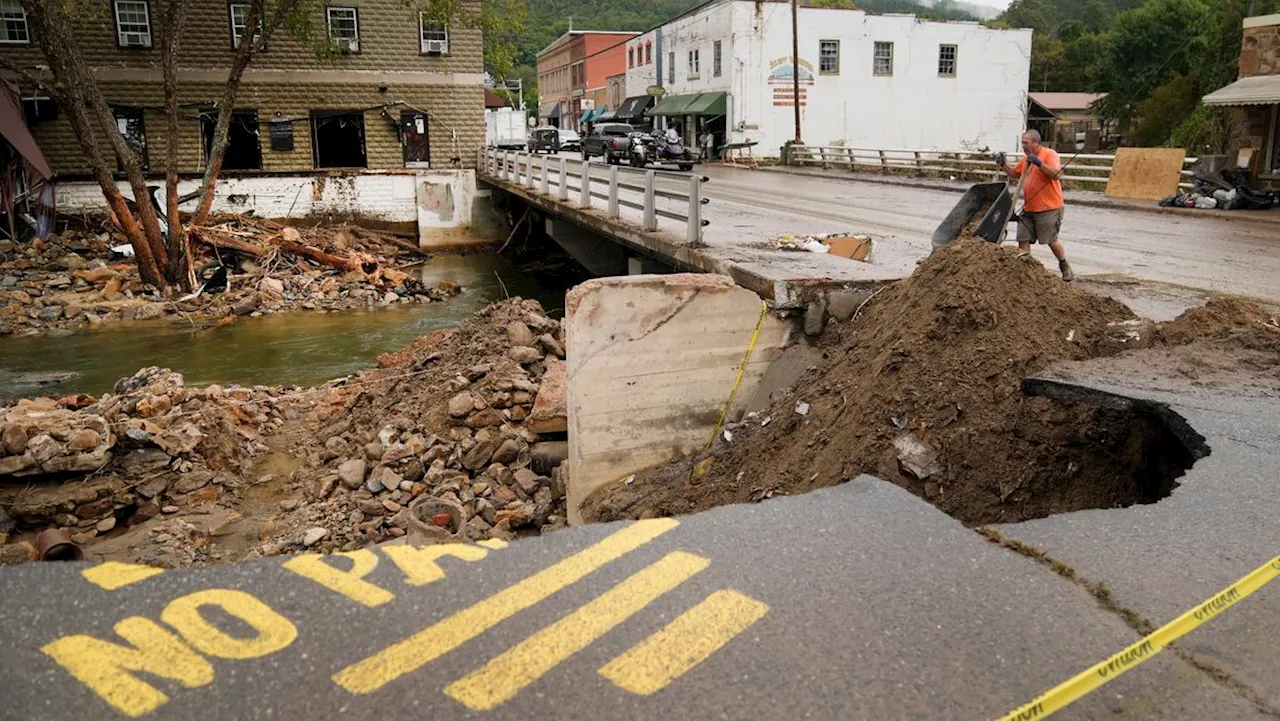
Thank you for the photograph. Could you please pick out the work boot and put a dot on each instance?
(1065, 267)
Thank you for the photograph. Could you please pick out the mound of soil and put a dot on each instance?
(1219, 317)
(924, 390)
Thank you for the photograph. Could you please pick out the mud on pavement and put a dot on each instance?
(924, 389)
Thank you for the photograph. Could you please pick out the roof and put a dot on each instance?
(14, 129)
(574, 33)
(494, 100)
(1256, 90)
(1066, 101)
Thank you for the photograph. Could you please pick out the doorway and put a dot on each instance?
(337, 139)
(415, 137)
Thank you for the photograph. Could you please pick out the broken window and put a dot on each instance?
(344, 28)
(337, 139)
(239, 13)
(13, 23)
(133, 23)
(244, 142)
(947, 61)
(883, 62)
(434, 36)
(129, 123)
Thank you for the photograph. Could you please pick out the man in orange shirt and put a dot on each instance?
(1041, 216)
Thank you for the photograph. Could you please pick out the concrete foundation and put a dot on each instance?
(651, 363)
(599, 255)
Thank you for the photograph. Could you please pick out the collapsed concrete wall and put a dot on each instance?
(652, 360)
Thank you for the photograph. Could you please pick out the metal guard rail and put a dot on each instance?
(554, 175)
(951, 161)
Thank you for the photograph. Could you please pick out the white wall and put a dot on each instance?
(983, 106)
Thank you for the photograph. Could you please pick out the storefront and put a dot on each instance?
(695, 114)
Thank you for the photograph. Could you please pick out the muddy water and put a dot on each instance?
(300, 348)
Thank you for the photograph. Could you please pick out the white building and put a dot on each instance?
(874, 81)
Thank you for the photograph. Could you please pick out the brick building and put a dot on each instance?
(400, 93)
(573, 74)
(1255, 98)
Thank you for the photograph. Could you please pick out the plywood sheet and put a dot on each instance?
(1145, 173)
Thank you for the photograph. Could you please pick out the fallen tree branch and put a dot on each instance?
(217, 239)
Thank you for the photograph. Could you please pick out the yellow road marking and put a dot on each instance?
(425, 646)
(104, 666)
(113, 574)
(274, 631)
(496, 544)
(686, 642)
(502, 678)
(348, 583)
(419, 564)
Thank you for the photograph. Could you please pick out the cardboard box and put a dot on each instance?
(855, 247)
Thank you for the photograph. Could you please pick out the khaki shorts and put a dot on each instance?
(1040, 227)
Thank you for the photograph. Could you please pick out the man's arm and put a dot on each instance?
(1053, 168)
(1010, 170)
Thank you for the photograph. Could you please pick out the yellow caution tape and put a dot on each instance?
(1075, 688)
(742, 370)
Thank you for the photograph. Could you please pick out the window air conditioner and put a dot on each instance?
(134, 40)
(435, 47)
(350, 45)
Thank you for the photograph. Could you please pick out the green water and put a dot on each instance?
(302, 348)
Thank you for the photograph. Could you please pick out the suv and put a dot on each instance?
(611, 141)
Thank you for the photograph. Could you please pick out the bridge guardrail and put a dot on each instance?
(558, 177)
(1086, 169)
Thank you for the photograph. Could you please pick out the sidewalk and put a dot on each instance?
(1072, 197)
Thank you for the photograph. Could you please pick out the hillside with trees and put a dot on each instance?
(1155, 58)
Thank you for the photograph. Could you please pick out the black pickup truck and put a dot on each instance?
(610, 141)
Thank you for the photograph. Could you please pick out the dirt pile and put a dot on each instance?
(245, 266)
(923, 389)
(1220, 317)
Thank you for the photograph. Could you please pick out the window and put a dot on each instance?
(13, 23)
(239, 13)
(129, 123)
(133, 23)
(579, 74)
(344, 28)
(947, 61)
(433, 37)
(648, 53)
(671, 67)
(829, 57)
(694, 63)
(883, 60)
(716, 57)
(244, 145)
(631, 57)
(337, 139)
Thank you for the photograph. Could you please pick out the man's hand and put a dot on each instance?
(1035, 160)
(1002, 159)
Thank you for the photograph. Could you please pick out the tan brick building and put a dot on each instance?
(1255, 97)
(403, 94)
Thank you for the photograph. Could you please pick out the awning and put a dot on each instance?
(599, 114)
(1257, 90)
(606, 116)
(586, 115)
(14, 129)
(550, 111)
(634, 107)
(695, 104)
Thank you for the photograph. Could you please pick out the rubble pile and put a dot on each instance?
(435, 443)
(245, 266)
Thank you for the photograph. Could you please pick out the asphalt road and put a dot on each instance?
(1209, 253)
(860, 601)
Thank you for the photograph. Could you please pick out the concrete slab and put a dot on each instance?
(652, 362)
(1163, 559)
(878, 606)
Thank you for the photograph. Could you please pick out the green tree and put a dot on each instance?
(1146, 48)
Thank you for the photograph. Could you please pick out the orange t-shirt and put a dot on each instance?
(1041, 192)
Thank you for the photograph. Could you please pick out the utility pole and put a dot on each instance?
(795, 62)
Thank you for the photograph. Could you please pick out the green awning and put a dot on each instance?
(586, 116)
(709, 104)
(599, 113)
(693, 104)
(673, 104)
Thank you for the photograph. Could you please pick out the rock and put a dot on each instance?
(153, 488)
(272, 286)
(96, 275)
(352, 472)
(193, 481)
(815, 317)
(71, 261)
(479, 455)
(96, 509)
(50, 314)
(411, 471)
(9, 281)
(916, 458)
(245, 306)
(486, 418)
(150, 311)
(390, 298)
(550, 412)
(144, 460)
(370, 507)
(547, 455)
(106, 524)
(486, 511)
(15, 439)
(153, 406)
(170, 509)
(387, 477)
(524, 354)
(111, 291)
(373, 450)
(477, 528)
(519, 334)
(289, 504)
(522, 398)
(314, 535)
(461, 404)
(391, 506)
(325, 485)
(374, 484)
(527, 480)
(508, 452)
(476, 372)
(551, 345)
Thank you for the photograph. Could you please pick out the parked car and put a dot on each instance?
(611, 141)
(544, 140)
(570, 141)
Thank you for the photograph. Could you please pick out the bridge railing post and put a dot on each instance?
(650, 202)
(546, 175)
(564, 179)
(695, 209)
(615, 211)
(584, 199)
(530, 178)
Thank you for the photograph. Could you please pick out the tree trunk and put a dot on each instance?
(215, 239)
(180, 271)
